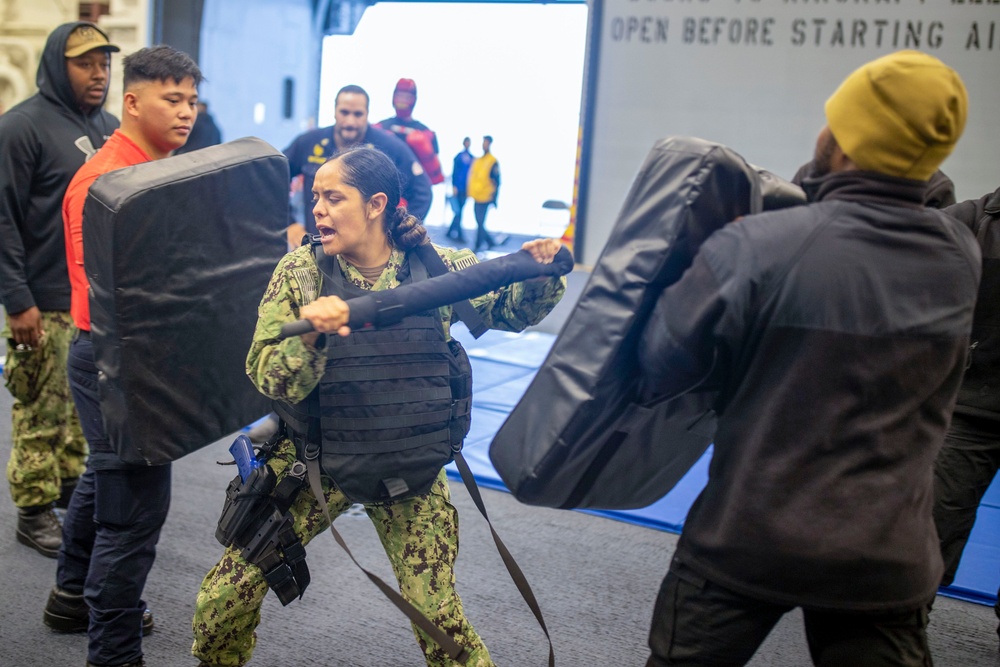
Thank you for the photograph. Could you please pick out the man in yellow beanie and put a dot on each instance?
(836, 335)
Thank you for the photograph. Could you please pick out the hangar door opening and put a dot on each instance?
(510, 70)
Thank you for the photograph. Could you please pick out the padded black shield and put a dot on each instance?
(579, 437)
(178, 253)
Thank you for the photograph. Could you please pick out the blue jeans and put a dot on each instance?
(111, 527)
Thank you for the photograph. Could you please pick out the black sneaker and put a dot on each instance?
(68, 612)
(39, 528)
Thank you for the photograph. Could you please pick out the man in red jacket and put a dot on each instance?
(420, 138)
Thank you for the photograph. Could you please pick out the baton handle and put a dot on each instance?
(296, 328)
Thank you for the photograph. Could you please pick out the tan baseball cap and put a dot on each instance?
(87, 38)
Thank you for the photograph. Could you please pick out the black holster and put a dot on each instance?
(255, 518)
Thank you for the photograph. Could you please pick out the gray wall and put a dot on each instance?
(248, 48)
(178, 23)
(754, 77)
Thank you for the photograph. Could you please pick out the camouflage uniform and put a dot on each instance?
(228, 605)
(48, 445)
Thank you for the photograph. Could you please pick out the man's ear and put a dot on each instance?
(839, 161)
(377, 205)
(130, 104)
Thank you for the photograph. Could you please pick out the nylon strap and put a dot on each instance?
(398, 371)
(388, 446)
(399, 421)
(516, 575)
(454, 650)
(364, 350)
(388, 397)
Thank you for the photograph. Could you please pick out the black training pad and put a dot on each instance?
(178, 253)
(579, 437)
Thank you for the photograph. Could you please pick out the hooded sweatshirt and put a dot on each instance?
(43, 142)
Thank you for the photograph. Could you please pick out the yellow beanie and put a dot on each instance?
(900, 114)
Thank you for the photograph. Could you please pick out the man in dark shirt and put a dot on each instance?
(970, 457)
(835, 335)
(459, 188)
(310, 150)
(205, 132)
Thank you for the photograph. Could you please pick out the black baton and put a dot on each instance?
(390, 306)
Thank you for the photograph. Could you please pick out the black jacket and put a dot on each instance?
(43, 142)
(940, 190)
(837, 332)
(308, 151)
(205, 133)
(980, 392)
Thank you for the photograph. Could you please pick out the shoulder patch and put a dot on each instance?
(465, 262)
(417, 169)
(307, 282)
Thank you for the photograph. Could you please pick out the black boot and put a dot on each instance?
(68, 612)
(66, 492)
(138, 663)
(38, 527)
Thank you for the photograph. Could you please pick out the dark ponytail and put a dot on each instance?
(405, 230)
(371, 171)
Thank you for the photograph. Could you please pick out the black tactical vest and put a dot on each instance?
(393, 405)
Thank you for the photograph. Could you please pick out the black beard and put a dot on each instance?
(822, 159)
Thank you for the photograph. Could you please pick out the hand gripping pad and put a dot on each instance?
(178, 253)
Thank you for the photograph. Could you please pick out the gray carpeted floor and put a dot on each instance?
(594, 578)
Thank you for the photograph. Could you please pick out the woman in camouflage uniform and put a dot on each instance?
(356, 196)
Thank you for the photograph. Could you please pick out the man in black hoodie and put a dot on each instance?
(43, 142)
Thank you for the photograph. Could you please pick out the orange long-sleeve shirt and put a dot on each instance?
(118, 152)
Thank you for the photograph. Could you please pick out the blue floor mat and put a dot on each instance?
(487, 374)
(503, 367)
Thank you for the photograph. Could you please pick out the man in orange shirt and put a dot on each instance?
(116, 512)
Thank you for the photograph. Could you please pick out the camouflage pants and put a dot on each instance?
(48, 445)
(420, 537)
